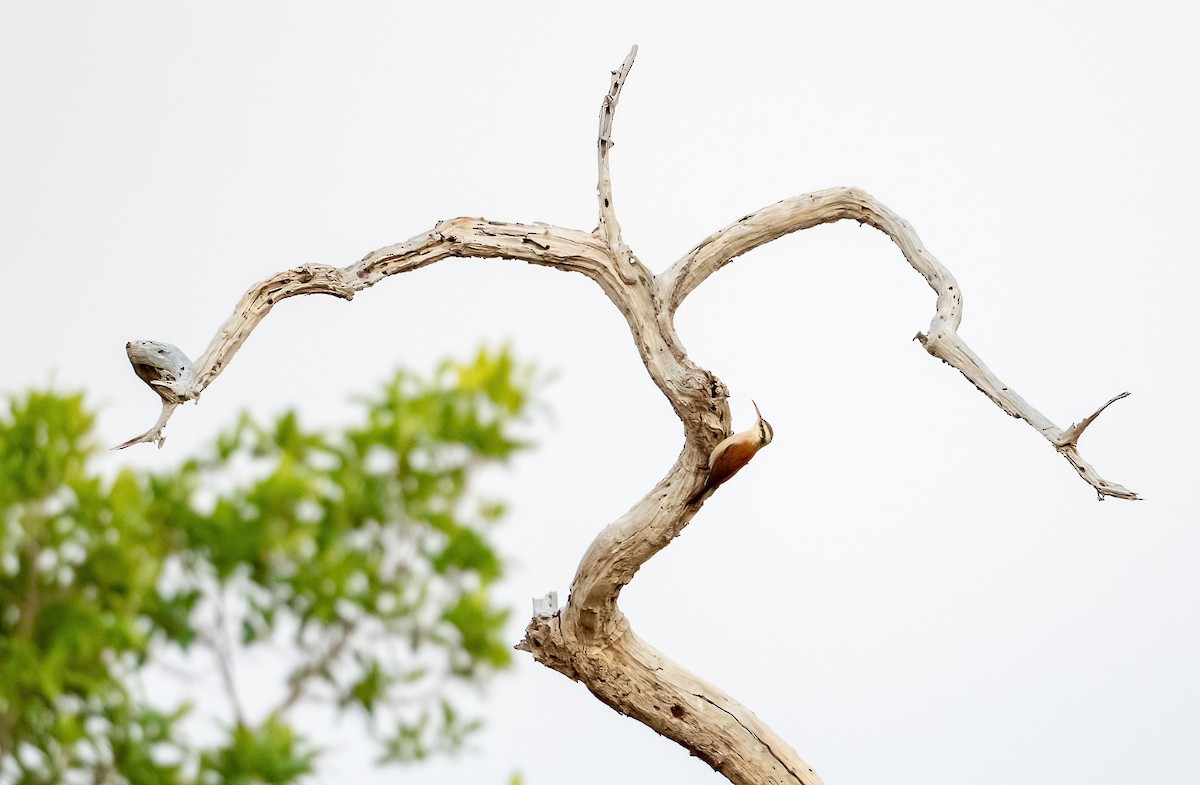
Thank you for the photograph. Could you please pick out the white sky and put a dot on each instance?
(908, 586)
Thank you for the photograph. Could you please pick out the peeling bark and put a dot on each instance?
(589, 639)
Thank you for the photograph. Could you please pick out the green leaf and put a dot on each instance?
(467, 550)
(479, 625)
(363, 545)
(272, 754)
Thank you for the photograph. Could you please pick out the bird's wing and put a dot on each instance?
(727, 459)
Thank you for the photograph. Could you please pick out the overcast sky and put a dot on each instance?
(908, 585)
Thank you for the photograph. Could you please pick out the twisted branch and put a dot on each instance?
(942, 340)
(590, 639)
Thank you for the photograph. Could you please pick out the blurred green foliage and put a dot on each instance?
(360, 560)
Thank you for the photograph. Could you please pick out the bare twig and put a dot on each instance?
(155, 435)
(31, 604)
(1071, 435)
(222, 647)
(301, 678)
(609, 228)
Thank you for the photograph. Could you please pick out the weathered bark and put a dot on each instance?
(589, 639)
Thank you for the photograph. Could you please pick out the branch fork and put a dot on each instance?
(1070, 436)
(589, 639)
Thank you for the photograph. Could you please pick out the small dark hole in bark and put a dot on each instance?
(677, 711)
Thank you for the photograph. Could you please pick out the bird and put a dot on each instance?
(728, 457)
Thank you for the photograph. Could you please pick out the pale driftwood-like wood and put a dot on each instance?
(589, 639)
(942, 340)
(609, 228)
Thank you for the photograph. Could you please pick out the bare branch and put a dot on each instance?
(541, 244)
(609, 228)
(942, 340)
(804, 212)
(636, 680)
(257, 303)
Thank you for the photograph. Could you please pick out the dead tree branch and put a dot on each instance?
(589, 639)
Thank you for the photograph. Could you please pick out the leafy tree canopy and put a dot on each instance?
(364, 551)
